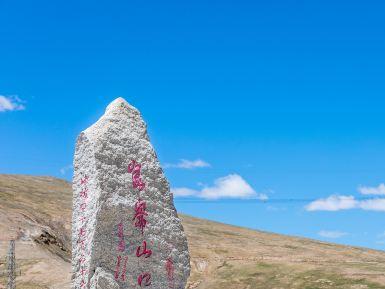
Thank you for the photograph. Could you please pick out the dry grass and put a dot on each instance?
(223, 256)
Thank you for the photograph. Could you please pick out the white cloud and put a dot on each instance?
(332, 203)
(184, 192)
(332, 234)
(373, 205)
(65, 169)
(231, 186)
(380, 190)
(337, 203)
(187, 164)
(10, 103)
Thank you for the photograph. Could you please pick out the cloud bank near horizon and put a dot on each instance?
(231, 186)
(342, 202)
(332, 234)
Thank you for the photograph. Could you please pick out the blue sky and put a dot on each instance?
(283, 100)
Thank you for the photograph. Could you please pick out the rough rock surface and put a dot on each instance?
(103, 280)
(125, 230)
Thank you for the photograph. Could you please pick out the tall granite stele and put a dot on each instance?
(125, 230)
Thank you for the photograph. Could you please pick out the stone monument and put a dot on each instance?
(11, 266)
(125, 230)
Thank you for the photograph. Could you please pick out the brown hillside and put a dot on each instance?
(36, 211)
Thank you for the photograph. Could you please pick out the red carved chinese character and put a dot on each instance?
(83, 271)
(84, 180)
(170, 269)
(122, 244)
(144, 279)
(82, 259)
(145, 252)
(84, 193)
(82, 283)
(82, 232)
(83, 206)
(140, 213)
(120, 230)
(170, 272)
(137, 182)
(81, 242)
(117, 269)
(123, 276)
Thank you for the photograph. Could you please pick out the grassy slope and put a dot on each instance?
(37, 211)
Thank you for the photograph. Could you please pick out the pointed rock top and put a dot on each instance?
(121, 117)
(120, 104)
